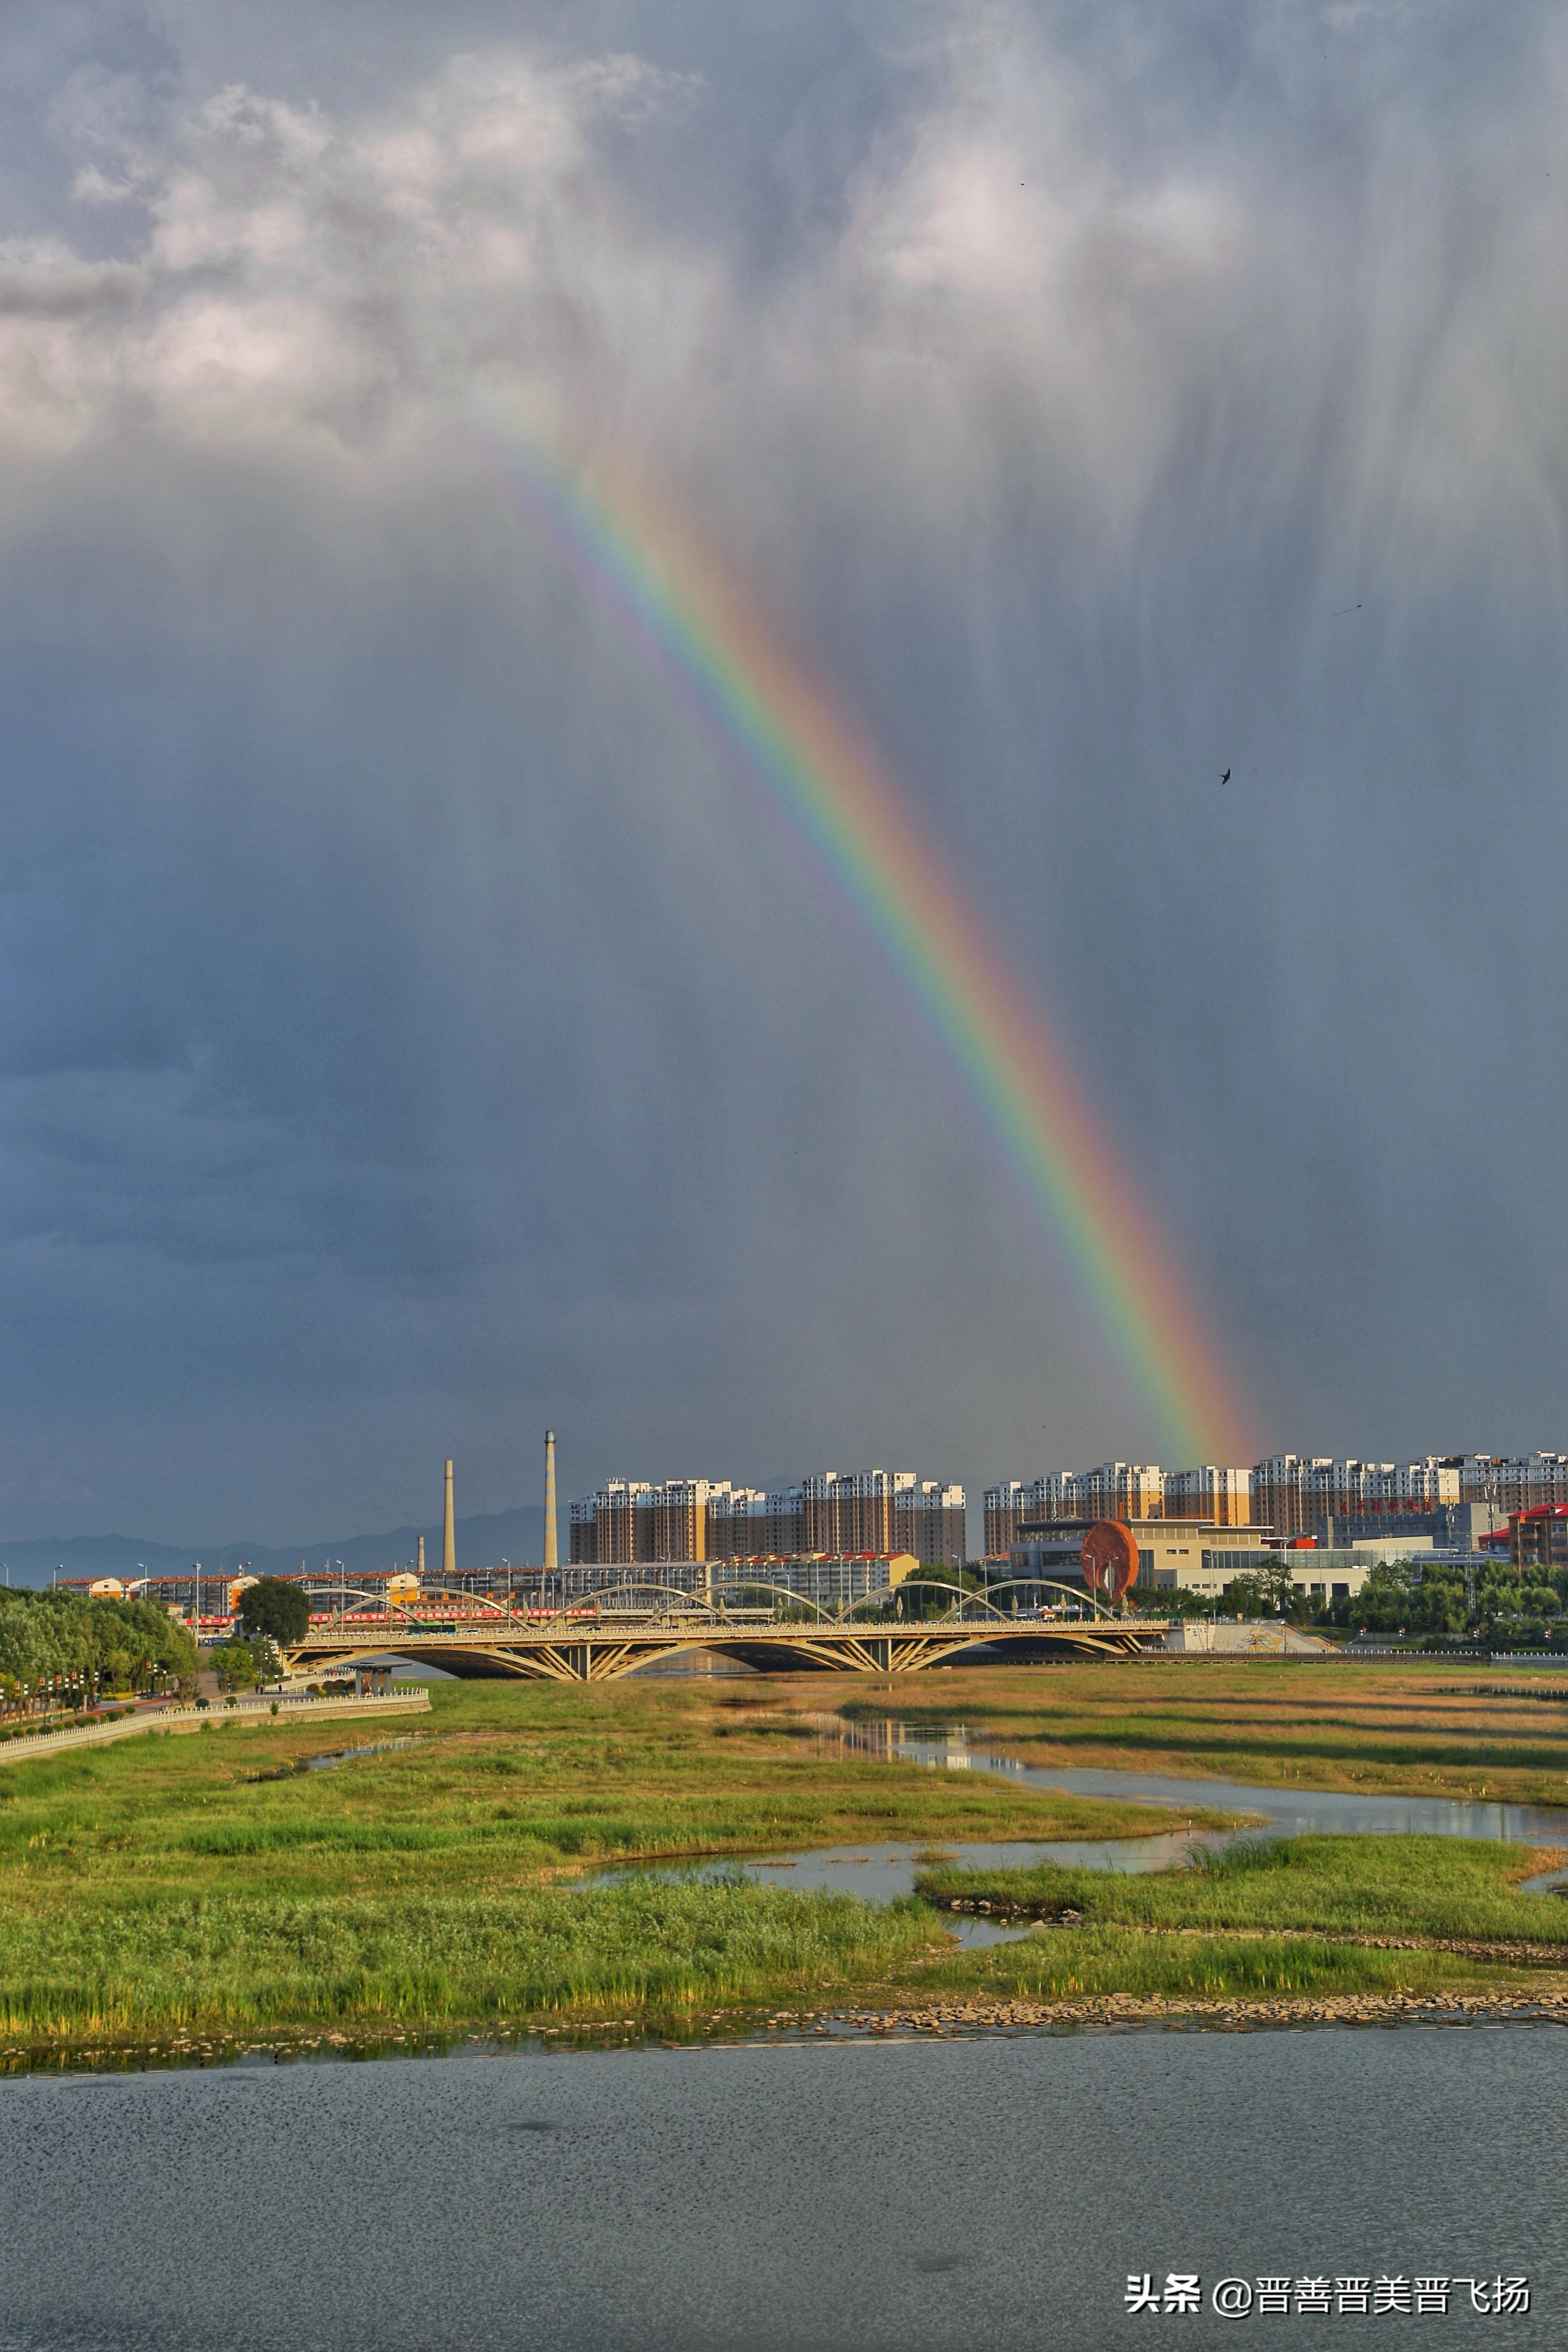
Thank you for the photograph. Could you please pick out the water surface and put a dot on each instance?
(1286, 1812)
(989, 2194)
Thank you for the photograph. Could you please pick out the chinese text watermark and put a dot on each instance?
(1244, 2298)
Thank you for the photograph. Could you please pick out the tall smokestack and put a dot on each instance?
(449, 1538)
(550, 1556)
(421, 1559)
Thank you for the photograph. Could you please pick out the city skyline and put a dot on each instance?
(1289, 1494)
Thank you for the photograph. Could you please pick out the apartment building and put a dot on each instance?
(1511, 1482)
(1286, 1494)
(884, 1513)
(630, 1519)
(830, 1579)
(1222, 1496)
(1114, 1490)
(1004, 1512)
(1296, 1494)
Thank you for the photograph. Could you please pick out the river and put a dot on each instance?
(989, 2193)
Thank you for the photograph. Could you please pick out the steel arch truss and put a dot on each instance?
(603, 1654)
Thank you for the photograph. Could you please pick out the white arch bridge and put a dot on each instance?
(613, 1633)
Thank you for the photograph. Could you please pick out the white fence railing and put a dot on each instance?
(178, 1718)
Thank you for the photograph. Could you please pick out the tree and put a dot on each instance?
(272, 1605)
(934, 1598)
(235, 1665)
(1437, 1604)
(1262, 1592)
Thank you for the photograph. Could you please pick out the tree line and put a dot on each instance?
(1500, 1605)
(69, 1639)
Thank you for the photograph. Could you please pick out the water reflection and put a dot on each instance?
(1286, 1812)
(883, 1873)
(336, 1756)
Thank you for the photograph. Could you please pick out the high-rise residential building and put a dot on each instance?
(1121, 1490)
(1294, 1494)
(1511, 1482)
(604, 1526)
(932, 1521)
(629, 1520)
(836, 1513)
(1282, 1494)
(1004, 1514)
(1114, 1490)
(1223, 1497)
(737, 1521)
(1287, 1493)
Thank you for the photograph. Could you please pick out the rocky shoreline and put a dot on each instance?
(1471, 1948)
(973, 2015)
(937, 2019)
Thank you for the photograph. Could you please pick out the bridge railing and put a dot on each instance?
(672, 1608)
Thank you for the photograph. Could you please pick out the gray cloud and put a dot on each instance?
(44, 280)
(415, 1033)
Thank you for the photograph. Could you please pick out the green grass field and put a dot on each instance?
(1099, 1964)
(213, 1883)
(214, 1886)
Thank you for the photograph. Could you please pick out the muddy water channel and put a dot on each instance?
(882, 1872)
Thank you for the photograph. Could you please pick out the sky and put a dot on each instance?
(415, 1033)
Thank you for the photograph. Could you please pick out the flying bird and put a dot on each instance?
(1226, 778)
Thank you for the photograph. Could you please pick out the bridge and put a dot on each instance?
(613, 1633)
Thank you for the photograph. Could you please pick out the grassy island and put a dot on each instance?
(526, 1854)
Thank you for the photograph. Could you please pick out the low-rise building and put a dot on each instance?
(1053, 1553)
(1184, 1554)
(1320, 1573)
(1539, 1537)
(1200, 1557)
(831, 1580)
(1171, 1552)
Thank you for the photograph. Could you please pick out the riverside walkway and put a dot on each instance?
(288, 1710)
(613, 1633)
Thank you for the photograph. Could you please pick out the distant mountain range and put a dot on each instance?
(482, 1542)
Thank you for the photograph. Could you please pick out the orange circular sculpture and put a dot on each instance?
(1110, 1556)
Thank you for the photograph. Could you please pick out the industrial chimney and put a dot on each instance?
(449, 1538)
(421, 1559)
(551, 1561)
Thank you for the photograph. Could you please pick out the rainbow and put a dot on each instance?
(699, 630)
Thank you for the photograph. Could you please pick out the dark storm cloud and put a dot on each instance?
(414, 1035)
